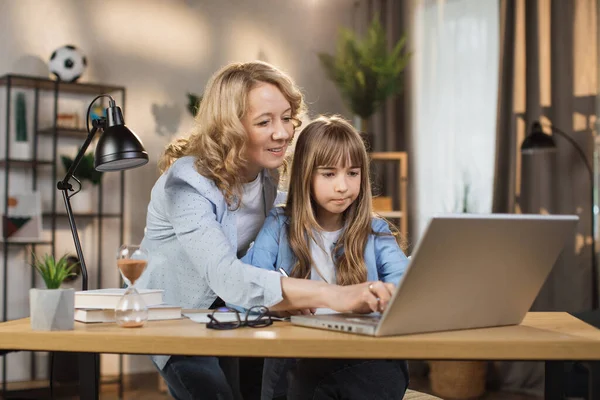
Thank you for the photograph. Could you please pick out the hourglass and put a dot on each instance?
(131, 311)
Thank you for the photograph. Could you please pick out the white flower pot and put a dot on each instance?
(52, 309)
(86, 201)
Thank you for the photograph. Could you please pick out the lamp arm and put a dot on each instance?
(576, 146)
(65, 186)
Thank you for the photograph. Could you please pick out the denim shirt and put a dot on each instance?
(384, 259)
(191, 239)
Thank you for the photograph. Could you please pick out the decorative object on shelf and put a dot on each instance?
(67, 120)
(85, 170)
(67, 63)
(118, 149)
(89, 177)
(23, 222)
(52, 309)
(20, 147)
(97, 112)
(537, 141)
(193, 103)
(21, 117)
(365, 73)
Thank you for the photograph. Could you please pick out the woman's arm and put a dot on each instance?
(197, 224)
(361, 298)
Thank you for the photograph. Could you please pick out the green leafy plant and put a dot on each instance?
(193, 103)
(53, 272)
(465, 203)
(364, 71)
(85, 169)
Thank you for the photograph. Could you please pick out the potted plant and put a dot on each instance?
(53, 308)
(89, 177)
(193, 103)
(364, 71)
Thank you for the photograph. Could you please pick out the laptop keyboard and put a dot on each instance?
(370, 319)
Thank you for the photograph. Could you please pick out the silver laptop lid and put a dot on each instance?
(476, 270)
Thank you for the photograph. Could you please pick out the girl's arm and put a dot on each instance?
(391, 260)
(263, 252)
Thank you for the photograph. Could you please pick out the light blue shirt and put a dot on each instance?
(191, 239)
(384, 259)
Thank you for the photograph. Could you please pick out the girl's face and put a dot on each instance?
(334, 189)
(270, 126)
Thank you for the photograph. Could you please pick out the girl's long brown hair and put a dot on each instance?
(325, 142)
(218, 139)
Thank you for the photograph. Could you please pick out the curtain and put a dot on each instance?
(548, 72)
(455, 92)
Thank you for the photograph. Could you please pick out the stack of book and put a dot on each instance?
(99, 305)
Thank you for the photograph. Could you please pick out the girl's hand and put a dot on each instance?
(361, 298)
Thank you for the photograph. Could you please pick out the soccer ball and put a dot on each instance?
(67, 63)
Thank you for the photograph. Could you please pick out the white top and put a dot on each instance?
(323, 267)
(251, 215)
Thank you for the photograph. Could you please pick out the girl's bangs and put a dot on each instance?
(340, 147)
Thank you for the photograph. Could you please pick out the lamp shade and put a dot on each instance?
(118, 147)
(537, 141)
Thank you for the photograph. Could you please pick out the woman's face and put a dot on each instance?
(269, 125)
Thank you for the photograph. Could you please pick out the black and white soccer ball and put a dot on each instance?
(67, 63)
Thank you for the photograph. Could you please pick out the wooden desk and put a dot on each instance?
(541, 336)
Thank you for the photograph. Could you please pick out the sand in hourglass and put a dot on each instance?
(131, 268)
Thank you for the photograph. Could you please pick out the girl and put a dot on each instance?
(216, 189)
(327, 232)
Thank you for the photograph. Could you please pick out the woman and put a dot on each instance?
(216, 190)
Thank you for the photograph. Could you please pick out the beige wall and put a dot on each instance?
(159, 50)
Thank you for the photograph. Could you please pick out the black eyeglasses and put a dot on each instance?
(255, 317)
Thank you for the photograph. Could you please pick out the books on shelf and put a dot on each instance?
(155, 313)
(109, 298)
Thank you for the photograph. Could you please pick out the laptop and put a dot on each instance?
(467, 271)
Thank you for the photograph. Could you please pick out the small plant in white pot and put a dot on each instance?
(52, 309)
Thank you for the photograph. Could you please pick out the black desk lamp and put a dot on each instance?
(538, 141)
(118, 149)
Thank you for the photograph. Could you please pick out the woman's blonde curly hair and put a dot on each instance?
(219, 139)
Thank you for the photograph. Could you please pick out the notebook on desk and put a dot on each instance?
(467, 271)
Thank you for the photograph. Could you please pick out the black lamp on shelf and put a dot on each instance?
(538, 141)
(118, 149)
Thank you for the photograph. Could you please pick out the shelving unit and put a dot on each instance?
(44, 181)
(401, 158)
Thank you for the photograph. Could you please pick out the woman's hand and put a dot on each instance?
(361, 298)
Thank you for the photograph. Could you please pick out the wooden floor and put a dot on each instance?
(146, 387)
